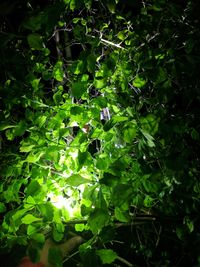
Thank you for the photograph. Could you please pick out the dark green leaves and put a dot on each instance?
(35, 41)
(33, 188)
(98, 219)
(2, 207)
(79, 89)
(55, 257)
(121, 194)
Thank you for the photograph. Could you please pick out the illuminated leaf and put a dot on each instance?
(121, 215)
(29, 218)
(149, 138)
(26, 148)
(107, 255)
(58, 72)
(76, 180)
(139, 82)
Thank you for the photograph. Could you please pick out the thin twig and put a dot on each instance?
(124, 261)
(111, 43)
(70, 256)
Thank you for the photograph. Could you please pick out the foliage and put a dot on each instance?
(99, 128)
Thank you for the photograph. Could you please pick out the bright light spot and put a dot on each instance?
(61, 202)
(74, 154)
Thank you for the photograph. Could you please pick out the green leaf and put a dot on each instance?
(82, 158)
(102, 164)
(58, 72)
(76, 180)
(99, 83)
(149, 138)
(30, 200)
(33, 158)
(35, 41)
(5, 126)
(33, 253)
(161, 75)
(148, 201)
(31, 230)
(88, 4)
(33, 23)
(46, 211)
(121, 194)
(20, 128)
(2, 207)
(33, 188)
(55, 257)
(130, 132)
(38, 237)
(139, 82)
(150, 123)
(121, 215)
(80, 227)
(111, 6)
(189, 223)
(100, 201)
(91, 62)
(35, 83)
(107, 256)
(26, 148)
(78, 89)
(29, 218)
(98, 219)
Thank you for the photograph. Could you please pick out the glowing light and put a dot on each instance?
(61, 202)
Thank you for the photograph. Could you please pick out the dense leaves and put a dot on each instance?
(99, 129)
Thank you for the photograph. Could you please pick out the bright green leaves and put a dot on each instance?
(78, 67)
(35, 41)
(76, 180)
(139, 82)
(58, 72)
(34, 157)
(130, 132)
(58, 230)
(107, 256)
(35, 83)
(29, 218)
